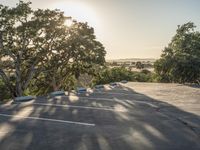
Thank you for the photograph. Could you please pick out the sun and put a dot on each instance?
(79, 11)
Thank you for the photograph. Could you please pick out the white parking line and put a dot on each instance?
(119, 93)
(143, 102)
(107, 92)
(47, 119)
(72, 106)
(106, 99)
(116, 100)
(125, 100)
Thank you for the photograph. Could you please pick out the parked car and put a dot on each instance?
(99, 86)
(81, 90)
(113, 84)
(124, 81)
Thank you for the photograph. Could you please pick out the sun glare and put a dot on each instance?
(68, 22)
(78, 11)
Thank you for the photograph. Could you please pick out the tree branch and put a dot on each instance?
(29, 77)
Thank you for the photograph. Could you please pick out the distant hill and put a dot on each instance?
(132, 60)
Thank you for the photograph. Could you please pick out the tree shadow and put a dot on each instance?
(125, 120)
(193, 85)
(190, 85)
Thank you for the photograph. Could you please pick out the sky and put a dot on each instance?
(128, 28)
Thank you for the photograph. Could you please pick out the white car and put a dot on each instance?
(124, 81)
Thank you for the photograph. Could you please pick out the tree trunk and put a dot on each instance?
(29, 77)
(19, 90)
(55, 86)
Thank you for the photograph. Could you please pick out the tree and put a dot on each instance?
(180, 60)
(78, 54)
(16, 34)
(36, 46)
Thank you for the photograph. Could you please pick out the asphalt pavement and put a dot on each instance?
(132, 116)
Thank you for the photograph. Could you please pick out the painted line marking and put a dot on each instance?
(72, 106)
(143, 102)
(116, 100)
(106, 99)
(47, 119)
(107, 92)
(119, 93)
(100, 99)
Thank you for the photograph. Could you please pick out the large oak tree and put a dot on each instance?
(37, 49)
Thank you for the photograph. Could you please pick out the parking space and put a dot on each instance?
(111, 118)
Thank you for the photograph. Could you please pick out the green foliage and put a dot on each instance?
(142, 77)
(145, 71)
(78, 54)
(180, 61)
(4, 92)
(42, 53)
(108, 75)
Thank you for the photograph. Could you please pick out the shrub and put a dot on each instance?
(145, 71)
(108, 75)
(4, 94)
(142, 77)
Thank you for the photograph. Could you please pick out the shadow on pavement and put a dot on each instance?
(145, 123)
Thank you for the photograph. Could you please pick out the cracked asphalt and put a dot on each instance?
(131, 116)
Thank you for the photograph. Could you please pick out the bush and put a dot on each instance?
(108, 75)
(145, 71)
(142, 77)
(4, 94)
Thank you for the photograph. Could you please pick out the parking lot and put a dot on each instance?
(129, 116)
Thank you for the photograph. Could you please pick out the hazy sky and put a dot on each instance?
(128, 28)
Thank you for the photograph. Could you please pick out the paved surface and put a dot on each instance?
(144, 116)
